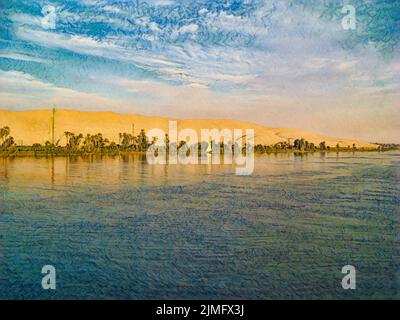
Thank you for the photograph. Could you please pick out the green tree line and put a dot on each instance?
(78, 143)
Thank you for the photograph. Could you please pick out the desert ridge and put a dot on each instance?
(35, 126)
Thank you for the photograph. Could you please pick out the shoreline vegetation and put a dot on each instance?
(80, 145)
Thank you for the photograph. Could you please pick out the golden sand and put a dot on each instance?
(29, 127)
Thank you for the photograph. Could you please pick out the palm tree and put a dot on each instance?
(73, 141)
(142, 140)
(126, 140)
(302, 144)
(88, 143)
(296, 144)
(4, 133)
(8, 142)
(68, 137)
(5, 140)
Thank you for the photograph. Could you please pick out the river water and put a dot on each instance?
(119, 228)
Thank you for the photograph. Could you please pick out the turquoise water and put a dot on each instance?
(122, 229)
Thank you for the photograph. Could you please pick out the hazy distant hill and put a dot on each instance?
(29, 127)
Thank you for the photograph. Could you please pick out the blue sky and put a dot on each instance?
(278, 63)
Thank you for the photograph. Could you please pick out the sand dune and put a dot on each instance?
(29, 127)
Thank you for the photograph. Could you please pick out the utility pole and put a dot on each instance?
(53, 119)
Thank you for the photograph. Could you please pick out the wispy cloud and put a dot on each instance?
(22, 57)
(23, 91)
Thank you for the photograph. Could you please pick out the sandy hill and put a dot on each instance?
(29, 127)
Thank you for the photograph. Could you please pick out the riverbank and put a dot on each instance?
(61, 152)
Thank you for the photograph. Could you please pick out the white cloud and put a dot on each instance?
(26, 19)
(203, 11)
(22, 90)
(191, 64)
(22, 57)
(89, 46)
(191, 28)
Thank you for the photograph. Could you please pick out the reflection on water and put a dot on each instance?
(65, 172)
(70, 172)
(116, 227)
